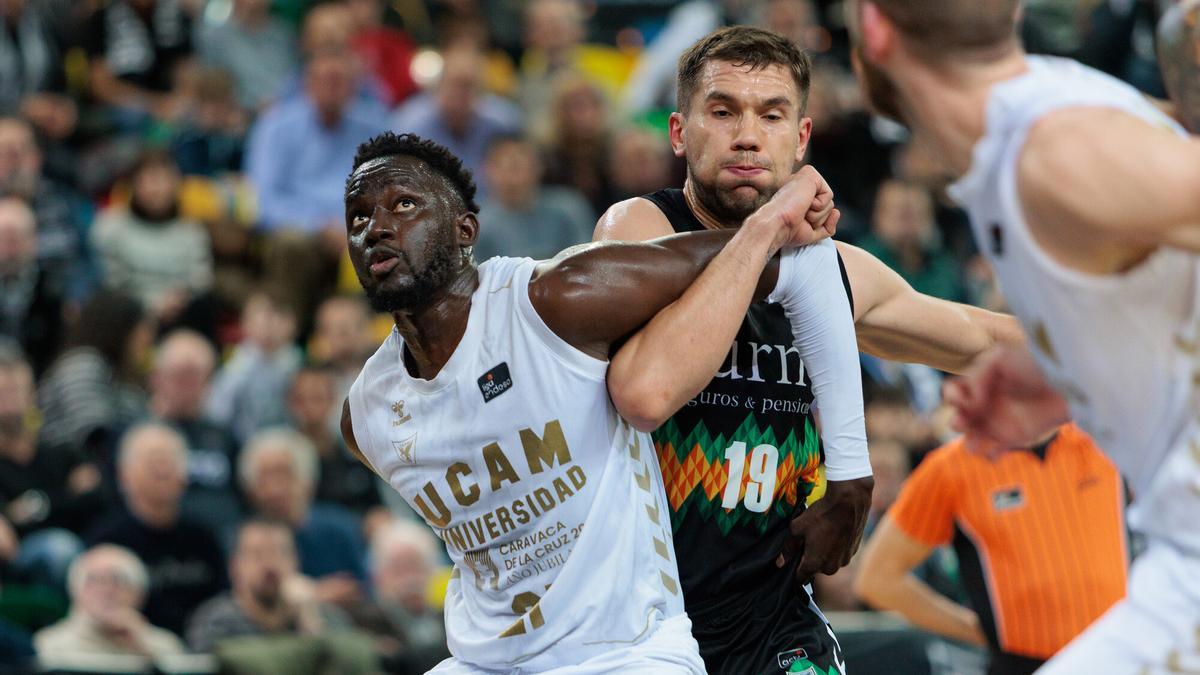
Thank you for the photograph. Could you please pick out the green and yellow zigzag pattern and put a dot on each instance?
(695, 472)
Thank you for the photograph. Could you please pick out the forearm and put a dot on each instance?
(815, 302)
(675, 355)
(925, 608)
(945, 335)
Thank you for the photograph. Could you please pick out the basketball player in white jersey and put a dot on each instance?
(487, 409)
(1086, 199)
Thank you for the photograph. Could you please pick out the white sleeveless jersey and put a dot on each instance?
(551, 507)
(1121, 348)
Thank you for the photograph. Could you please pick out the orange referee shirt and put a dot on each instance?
(1040, 535)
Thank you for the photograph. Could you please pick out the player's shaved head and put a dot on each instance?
(951, 27)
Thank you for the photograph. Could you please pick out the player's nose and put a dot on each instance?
(748, 134)
(380, 226)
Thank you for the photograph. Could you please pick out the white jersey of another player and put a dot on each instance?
(551, 507)
(1121, 348)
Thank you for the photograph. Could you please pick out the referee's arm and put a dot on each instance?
(886, 582)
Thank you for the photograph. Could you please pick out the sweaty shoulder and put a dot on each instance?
(635, 219)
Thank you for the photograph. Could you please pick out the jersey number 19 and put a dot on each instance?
(760, 489)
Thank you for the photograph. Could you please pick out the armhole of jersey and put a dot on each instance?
(362, 430)
(1009, 195)
(845, 279)
(571, 357)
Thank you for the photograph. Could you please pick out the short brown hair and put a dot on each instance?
(742, 46)
(954, 26)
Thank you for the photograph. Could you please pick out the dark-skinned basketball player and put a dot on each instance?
(487, 409)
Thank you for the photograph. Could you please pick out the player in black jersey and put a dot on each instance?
(742, 129)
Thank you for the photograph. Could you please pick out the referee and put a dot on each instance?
(1040, 538)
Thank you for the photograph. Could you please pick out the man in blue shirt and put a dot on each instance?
(299, 153)
(456, 113)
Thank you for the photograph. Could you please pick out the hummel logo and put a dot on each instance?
(399, 408)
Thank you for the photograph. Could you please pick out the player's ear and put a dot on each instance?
(468, 229)
(675, 125)
(878, 33)
(805, 136)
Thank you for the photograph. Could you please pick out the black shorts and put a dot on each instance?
(766, 634)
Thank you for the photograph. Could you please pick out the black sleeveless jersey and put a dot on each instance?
(738, 462)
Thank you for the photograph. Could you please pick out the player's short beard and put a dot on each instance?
(420, 288)
(725, 205)
(883, 97)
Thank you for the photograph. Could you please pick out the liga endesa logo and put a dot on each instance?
(495, 382)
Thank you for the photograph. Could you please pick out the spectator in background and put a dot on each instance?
(457, 113)
(150, 252)
(1040, 536)
(47, 493)
(554, 30)
(258, 49)
(639, 162)
(93, 390)
(404, 557)
(651, 85)
(278, 471)
(32, 76)
(342, 342)
(179, 386)
(134, 48)
(386, 52)
(184, 560)
(270, 598)
(31, 309)
(522, 218)
(248, 391)
(298, 155)
(578, 141)
(342, 479)
(62, 215)
(108, 584)
(904, 236)
(209, 140)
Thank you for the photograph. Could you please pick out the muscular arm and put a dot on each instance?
(596, 295)
(593, 296)
(896, 323)
(1096, 183)
(886, 582)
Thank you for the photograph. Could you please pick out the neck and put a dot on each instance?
(271, 618)
(432, 333)
(706, 218)
(330, 117)
(165, 411)
(319, 434)
(157, 518)
(517, 200)
(946, 107)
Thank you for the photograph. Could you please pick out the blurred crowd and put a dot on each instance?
(180, 323)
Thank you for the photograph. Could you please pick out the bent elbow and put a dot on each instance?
(644, 408)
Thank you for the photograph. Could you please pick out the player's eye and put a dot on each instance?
(359, 221)
(404, 205)
(773, 117)
(721, 113)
